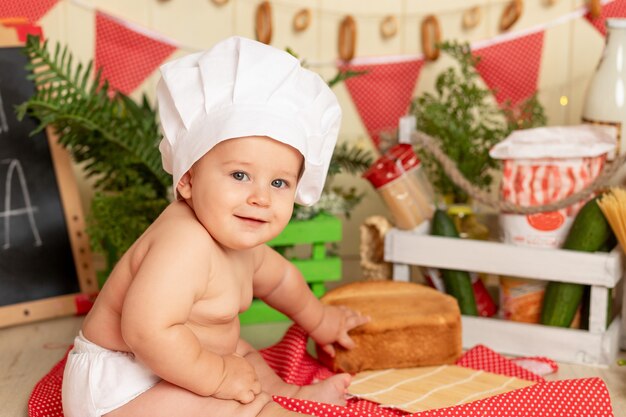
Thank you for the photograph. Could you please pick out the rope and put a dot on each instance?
(483, 197)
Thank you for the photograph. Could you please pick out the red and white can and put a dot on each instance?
(542, 166)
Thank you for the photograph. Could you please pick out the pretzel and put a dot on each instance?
(430, 29)
(595, 8)
(263, 27)
(511, 14)
(301, 20)
(471, 17)
(347, 38)
(389, 27)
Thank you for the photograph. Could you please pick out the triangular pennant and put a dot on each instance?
(126, 57)
(383, 94)
(32, 10)
(616, 8)
(511, 68)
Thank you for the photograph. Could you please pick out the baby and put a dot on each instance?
(247, 131)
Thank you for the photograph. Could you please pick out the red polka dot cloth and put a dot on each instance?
(383, 93)
(289, 358)
(511, 68)
(616, 8)
(126, 56)
(32, 10)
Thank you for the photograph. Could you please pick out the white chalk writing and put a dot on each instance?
(14, 166)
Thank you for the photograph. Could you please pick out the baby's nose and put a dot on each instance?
(260, 196)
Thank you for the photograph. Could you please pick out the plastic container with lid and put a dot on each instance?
(399, 180)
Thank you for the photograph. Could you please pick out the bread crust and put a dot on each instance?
(412, 325)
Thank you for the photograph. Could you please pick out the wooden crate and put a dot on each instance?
(602, 271)
(317, 269)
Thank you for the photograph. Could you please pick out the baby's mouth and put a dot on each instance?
(251, 220)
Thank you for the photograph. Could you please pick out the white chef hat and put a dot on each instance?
(242, 87)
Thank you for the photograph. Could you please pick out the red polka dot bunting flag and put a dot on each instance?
(32, 10)
(616, 8)
(126, 56)
(511, 67)
(383, 94)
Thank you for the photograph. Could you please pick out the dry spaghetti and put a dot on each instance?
(613, 205)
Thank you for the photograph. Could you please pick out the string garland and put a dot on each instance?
(389, 24)
(484, 197)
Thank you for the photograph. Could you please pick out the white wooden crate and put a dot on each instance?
(602, 271)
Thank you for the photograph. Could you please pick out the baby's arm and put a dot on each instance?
(280, 284)
(170, 279)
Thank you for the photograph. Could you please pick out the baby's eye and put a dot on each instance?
(280, 183)
(240, 176)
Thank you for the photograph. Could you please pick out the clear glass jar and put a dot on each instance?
(398, 179)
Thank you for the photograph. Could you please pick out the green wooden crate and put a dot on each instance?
(317, 270)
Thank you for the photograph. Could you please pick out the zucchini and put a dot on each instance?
(458, 283)
(590, 232)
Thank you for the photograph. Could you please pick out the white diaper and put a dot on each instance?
(96, 380)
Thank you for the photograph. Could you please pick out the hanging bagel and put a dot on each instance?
(389, 27)
(302, 20)
(471, 17)
(263, 27)
(431, 36)
(595, 8)
(511, 14)
(347, 38)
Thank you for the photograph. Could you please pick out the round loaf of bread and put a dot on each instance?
(411, 325)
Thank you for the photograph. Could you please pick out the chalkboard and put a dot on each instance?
(45, 260)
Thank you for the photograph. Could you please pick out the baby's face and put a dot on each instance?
(243, 190)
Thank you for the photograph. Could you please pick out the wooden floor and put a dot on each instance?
(28, 352)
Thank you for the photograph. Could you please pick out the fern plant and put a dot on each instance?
(115, 139)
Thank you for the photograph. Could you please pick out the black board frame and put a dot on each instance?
(66, 304)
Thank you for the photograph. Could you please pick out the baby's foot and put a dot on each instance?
(330, 391)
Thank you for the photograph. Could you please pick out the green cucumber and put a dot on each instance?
(590, 232)
(458, 283)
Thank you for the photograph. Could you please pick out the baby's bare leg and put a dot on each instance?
(331, 390)
(167, 400)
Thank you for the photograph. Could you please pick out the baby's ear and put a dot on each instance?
(184, 185)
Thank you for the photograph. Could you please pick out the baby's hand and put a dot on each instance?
(336, 323)
(240, 382)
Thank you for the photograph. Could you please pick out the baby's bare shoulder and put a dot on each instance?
(177, 234)
(178, 223)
